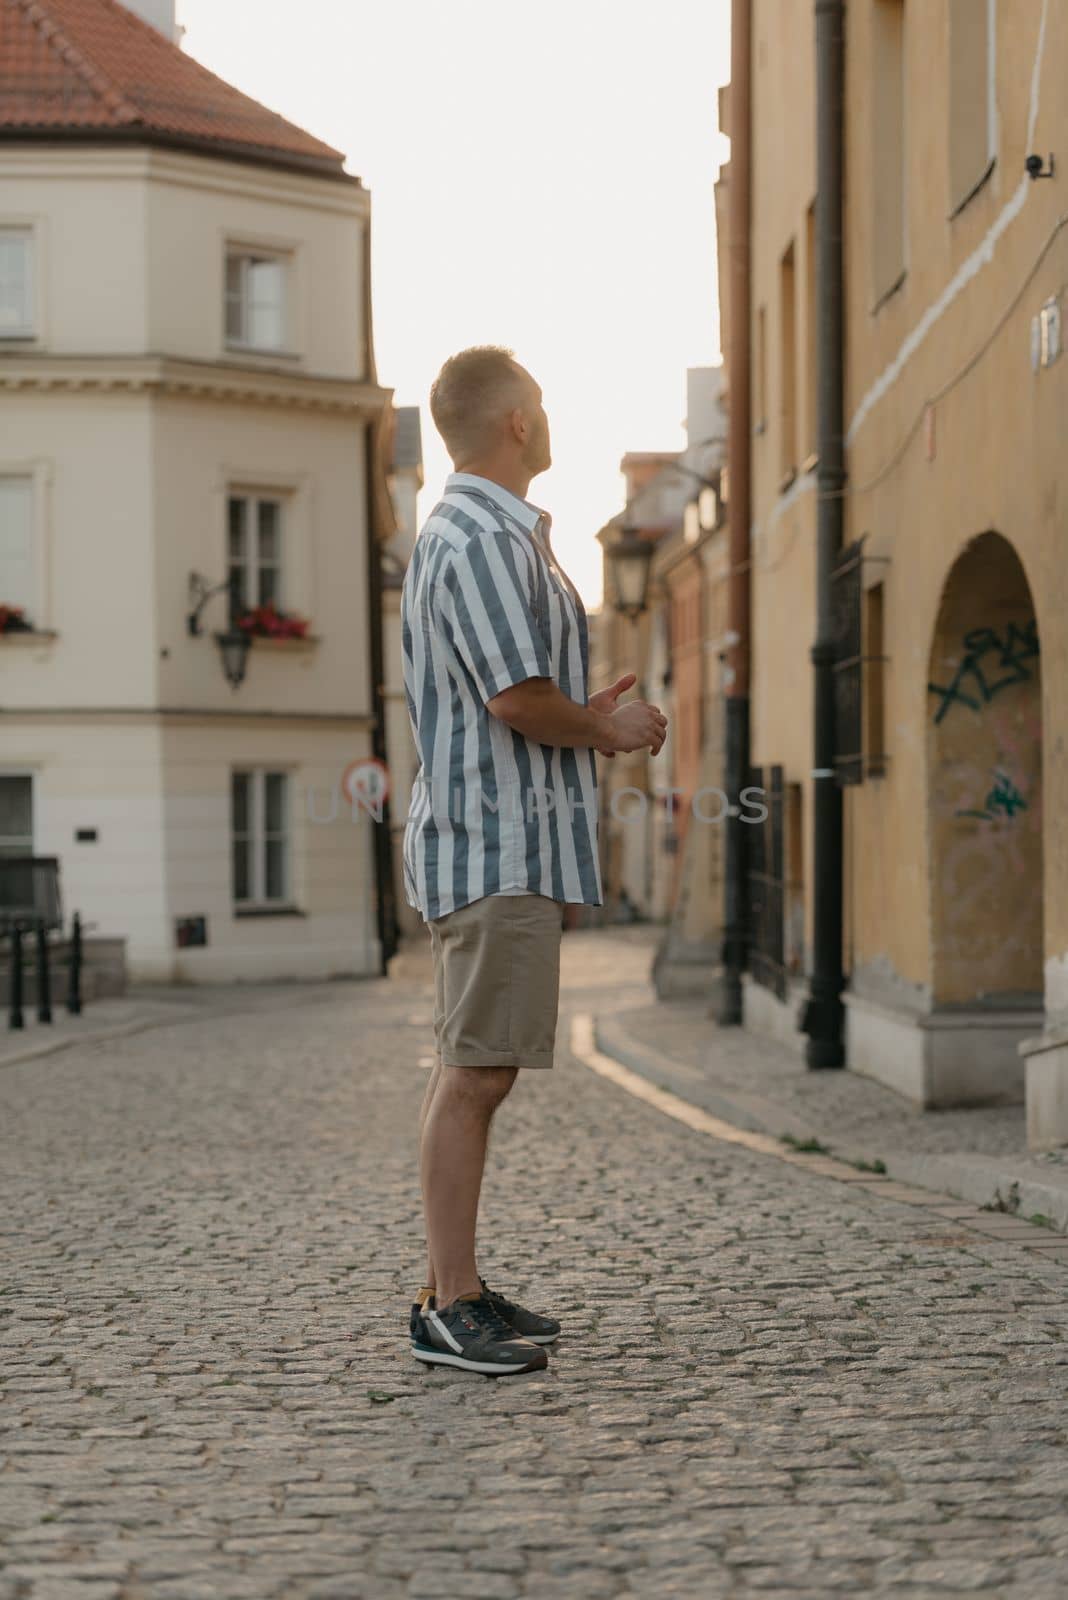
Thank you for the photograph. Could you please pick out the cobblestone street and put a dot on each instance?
(769, 1382)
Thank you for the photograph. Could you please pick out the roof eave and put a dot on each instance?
(223, 149)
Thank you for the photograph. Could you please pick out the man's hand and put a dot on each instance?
(605, 699)
(636, 726)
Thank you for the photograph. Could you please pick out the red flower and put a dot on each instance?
(267, 622)
(13, 620)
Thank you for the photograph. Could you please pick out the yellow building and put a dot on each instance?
(951, 591)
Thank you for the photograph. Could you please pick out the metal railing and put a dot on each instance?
(31, 905)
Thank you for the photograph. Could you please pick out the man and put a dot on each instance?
(501, 831)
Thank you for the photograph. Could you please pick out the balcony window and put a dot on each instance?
(255, 550)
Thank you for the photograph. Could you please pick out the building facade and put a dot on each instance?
(405, 482)
(661, 837)
(188, 402)
(951, 588)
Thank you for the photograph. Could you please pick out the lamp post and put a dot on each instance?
(630, 558)
(235, 644)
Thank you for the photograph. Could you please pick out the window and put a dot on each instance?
(259, 825)
(256, 300)
(16, 283)
(787, 368)
(874, 683)
(255, 551)
(794, 886)
(17, 570)
(811, 313)
(762, 370)
(971, 110)
(888, 146)
(16, 814)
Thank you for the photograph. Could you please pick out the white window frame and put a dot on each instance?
(251, 565)
(33, 605)
(28, 774)
(247, 253)
(29, 328)
(257, 839)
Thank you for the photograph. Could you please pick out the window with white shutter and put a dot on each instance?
(256, 300)
(17, 314)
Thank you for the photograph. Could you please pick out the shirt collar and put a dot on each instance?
(526, 514)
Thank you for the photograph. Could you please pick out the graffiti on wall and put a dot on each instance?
(1002, 803)
(992, 661)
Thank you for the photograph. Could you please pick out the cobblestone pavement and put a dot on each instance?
(768, 1084)
(842, 1104)
(769, 1383)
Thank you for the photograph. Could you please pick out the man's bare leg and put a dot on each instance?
(430, 1281)
(452, 1160)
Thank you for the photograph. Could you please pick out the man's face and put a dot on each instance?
(537, 450)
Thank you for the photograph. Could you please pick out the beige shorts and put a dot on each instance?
(497, 978)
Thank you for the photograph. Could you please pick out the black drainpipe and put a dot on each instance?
(729, 1011)
(385, 896)
(823, 1015)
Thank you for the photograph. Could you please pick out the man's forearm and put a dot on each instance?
(541, 711)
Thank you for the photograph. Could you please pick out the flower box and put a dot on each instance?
(267, 622)
(13, 620)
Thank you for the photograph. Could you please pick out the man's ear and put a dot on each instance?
(517, 422)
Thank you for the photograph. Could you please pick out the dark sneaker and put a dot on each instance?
(528, 1324)
(473, 1335)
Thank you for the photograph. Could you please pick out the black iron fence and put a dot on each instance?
(767, 934)
(31, 908)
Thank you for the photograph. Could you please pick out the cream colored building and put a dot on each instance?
(186, 388)
(405, 482)
(956, 393)
(654, 860)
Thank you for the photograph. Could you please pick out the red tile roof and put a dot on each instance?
(91, 69)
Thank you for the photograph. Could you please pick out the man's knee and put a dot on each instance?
(484, 1087)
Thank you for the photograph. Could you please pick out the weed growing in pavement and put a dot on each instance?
(1009, 1204)
(805, 1147)
(1040, 1220)
(878, 1165)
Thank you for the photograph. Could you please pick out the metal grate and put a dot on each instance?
(29, 891)
(767, 944)
(846, 593)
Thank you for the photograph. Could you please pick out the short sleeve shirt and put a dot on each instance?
(485, 605)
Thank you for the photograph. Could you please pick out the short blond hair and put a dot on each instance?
(472, 394)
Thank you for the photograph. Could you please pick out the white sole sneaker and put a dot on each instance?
(491, 1369)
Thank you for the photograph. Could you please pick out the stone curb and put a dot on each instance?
(999, 1181)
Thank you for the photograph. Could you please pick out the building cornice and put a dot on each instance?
(181, 715)
(40, 161)
(230, 382)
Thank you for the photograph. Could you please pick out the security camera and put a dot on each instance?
(1035, 167)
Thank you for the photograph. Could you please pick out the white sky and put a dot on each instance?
(541, 177)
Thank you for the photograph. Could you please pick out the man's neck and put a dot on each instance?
(516, 479)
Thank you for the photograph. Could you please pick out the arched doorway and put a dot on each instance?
(984, 751)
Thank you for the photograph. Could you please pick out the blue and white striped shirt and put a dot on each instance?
(485, 606)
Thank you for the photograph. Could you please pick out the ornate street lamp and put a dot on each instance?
(235, 644)
(630, 558)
